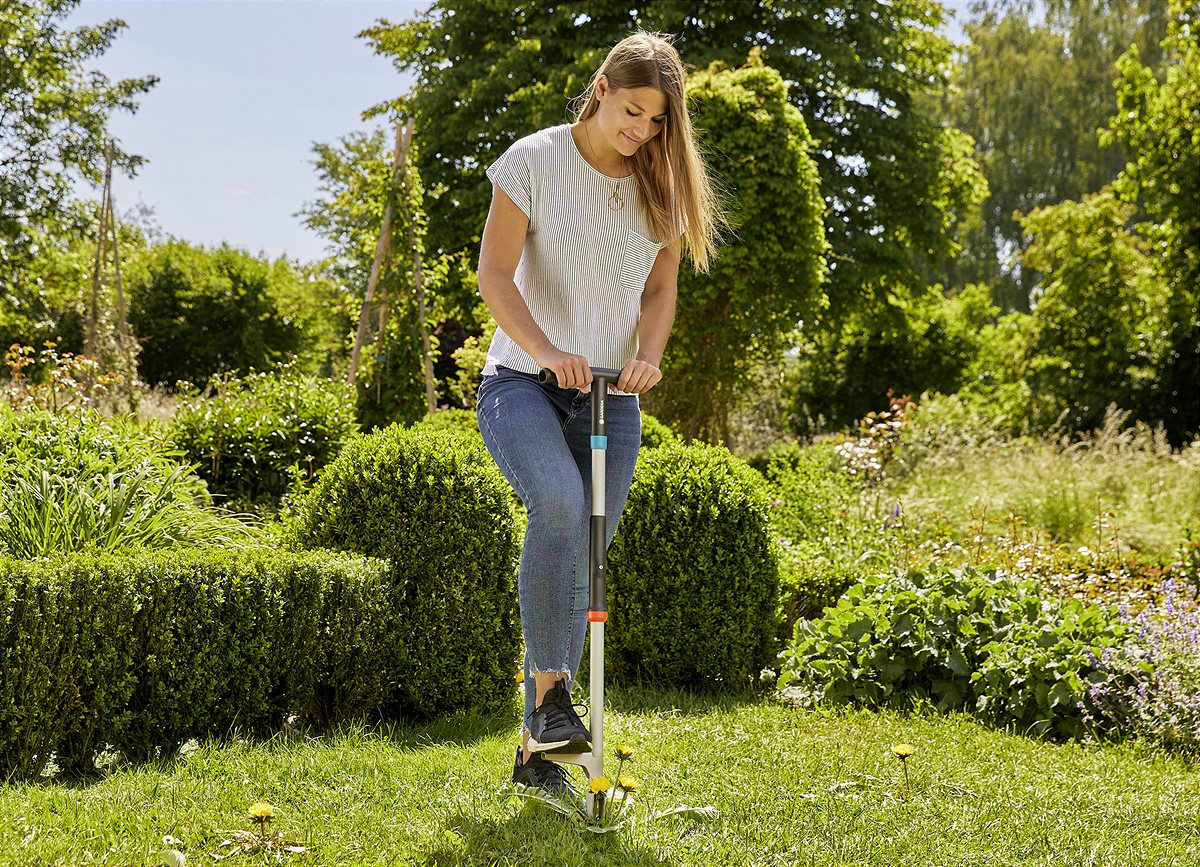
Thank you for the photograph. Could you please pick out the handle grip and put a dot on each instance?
(546, 375)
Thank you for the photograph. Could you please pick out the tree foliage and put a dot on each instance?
(490, 71)
(1160, 122)
(356, 182)
(1097, 333)
(1033, 95)
(733, 320)
(53, 117)
(199, 312)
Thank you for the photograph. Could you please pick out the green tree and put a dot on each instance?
(1098, 316)
(739, 317)
(356, 181)
(1159, 121)
(198, 312)
(1032, 96)
(894, 178)
(932, 346)
(53, 117)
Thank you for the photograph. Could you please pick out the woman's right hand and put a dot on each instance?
(571, 371)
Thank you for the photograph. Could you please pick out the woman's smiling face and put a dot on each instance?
(629, 117)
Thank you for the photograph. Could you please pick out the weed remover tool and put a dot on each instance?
(593, 762)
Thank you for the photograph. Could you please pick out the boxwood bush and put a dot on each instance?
(435, 507)
(144, 651)
(979, 642)
(693, 575)
(258, 433)
(655, 433)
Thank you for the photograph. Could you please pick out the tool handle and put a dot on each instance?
(546, 375)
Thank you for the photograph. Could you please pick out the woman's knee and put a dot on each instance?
(559, 505)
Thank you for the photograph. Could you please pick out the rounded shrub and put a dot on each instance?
(655, 433)
(693, 573)
(435, 507)
(259, 432)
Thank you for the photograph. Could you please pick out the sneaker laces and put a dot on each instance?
(559, 712)
(549, 775)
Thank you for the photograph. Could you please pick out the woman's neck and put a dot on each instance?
(600, 155)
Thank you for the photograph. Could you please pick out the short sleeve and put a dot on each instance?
(511, 173)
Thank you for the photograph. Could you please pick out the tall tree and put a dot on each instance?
(731, 322)
(1033, 96)
(1097, 336)
(1158, 119)
(490, 71)
(53, 117)
(357, 179)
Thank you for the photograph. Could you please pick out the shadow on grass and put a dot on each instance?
(676, 701)
(534, 836)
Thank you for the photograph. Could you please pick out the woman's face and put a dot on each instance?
(629, 117)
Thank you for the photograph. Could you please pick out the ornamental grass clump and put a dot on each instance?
(1150, 684)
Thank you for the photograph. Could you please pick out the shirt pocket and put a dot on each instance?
(636, 261)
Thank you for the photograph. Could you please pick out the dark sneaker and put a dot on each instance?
(555, 727)
(540, 773)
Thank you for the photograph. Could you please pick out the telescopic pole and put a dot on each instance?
(593, 761)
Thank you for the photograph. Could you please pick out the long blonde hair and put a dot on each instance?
(673, 184)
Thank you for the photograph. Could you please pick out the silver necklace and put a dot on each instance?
(615, 202)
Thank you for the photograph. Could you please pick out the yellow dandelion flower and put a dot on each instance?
(598, 785)
(624, 752)
(903, 750)
(260, 811)
(627, 783)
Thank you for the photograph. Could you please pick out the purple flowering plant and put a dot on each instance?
(1149, 685)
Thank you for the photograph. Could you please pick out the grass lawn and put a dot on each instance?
(792, 787)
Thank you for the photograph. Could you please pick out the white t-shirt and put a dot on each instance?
(584, 265)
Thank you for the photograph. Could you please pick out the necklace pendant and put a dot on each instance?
(615, 202)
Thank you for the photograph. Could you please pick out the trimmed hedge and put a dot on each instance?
(145, 651)
(432, 504)
(693, 573)
(655, 433)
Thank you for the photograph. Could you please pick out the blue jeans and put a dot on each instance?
(540, 437)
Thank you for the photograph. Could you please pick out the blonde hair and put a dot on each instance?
(673, 184)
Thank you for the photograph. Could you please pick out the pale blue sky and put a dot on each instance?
(245, 90)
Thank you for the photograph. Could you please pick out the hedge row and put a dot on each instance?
(143, 652)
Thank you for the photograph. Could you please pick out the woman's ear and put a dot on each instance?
(601, 86)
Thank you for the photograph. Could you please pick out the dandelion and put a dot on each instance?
(627, 783)
(903, 751)
(261, 812)
(624, 753)
(598, 785)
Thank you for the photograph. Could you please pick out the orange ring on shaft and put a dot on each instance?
(597, 616)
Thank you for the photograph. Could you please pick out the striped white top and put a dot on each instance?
(584, 265)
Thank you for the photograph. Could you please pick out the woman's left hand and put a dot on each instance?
(638, 376)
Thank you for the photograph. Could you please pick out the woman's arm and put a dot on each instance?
(658, 313)
(499, 255)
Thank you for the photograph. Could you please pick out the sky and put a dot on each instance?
(245, 90)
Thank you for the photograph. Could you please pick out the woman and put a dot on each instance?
(578, 267)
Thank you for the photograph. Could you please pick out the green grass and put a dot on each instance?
(1117, 486)
(792, 786)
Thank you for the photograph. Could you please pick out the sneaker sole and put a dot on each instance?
(577, 744)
